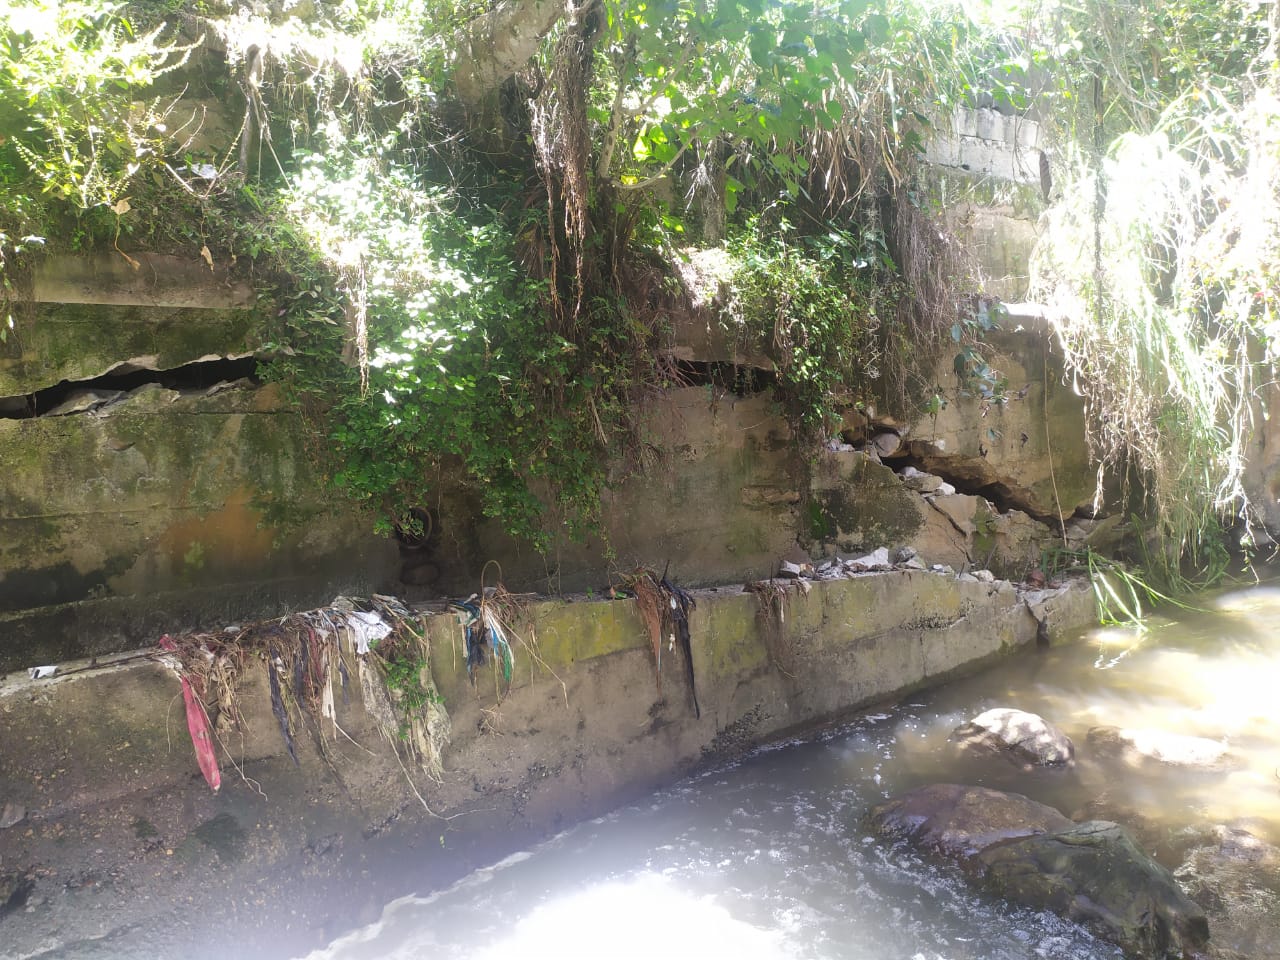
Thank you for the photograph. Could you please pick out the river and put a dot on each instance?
(767, 858)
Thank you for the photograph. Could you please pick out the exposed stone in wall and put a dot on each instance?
(989, 173)
(987, 143)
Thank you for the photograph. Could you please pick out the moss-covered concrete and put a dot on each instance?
(166, 493)
(79, 341)
(859, 505)
(719, 504)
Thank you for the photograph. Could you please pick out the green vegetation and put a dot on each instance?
(1161, 257)
(464, 215)
(818, 306)
(465, 238)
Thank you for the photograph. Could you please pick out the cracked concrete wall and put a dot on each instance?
(179, 507)
(166, 507)
(1029, 444)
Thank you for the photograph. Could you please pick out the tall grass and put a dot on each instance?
(1159, 264)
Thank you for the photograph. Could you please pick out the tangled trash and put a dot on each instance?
(309, 657)
(665, 608)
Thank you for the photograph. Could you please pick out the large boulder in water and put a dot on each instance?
(1235, 877)
(958, 822)
(1024, 737)
(1138, 748)
(1095, 874)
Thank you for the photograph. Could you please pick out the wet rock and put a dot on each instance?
(1167, 839)
(1235, 877)
(1137, 748)
(12, 814)
(1095, 874)
(959, 821)
(1021, 736)
(324, 845)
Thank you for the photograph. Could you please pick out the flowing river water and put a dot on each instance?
(767, 858)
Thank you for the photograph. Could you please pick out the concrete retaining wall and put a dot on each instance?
(114, 845)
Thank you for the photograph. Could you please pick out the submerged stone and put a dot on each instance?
(1157, 747)
(1235, 877)
(1024, 737)
(1095, 874)
(959, 821)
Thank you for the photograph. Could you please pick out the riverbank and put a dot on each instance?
(118, 846)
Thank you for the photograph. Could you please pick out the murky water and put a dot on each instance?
(767, 859)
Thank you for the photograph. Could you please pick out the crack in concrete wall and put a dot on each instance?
(94, 394)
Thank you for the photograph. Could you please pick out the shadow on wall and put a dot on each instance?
(418, 538)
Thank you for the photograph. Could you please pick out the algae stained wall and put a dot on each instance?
(141, 491)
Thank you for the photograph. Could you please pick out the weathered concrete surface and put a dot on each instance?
(145, 279)
(719, 504)
(987, 174)
(95, 314)
(1027, 448)
(192, 502)
(121, 839)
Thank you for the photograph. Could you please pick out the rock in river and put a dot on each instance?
(1024, 737)
(1156, 747)
(1095, 874)
(1236, 878)
(958, 821)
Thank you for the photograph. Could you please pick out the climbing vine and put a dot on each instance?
(464, 247)
(819, 306)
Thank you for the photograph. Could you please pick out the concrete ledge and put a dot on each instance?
(157, 280)
(120, 835)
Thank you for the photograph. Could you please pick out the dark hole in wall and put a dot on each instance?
(417, 537)
(200, 375)
(1003, 497)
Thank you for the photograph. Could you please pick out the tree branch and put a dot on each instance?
(494, 46)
